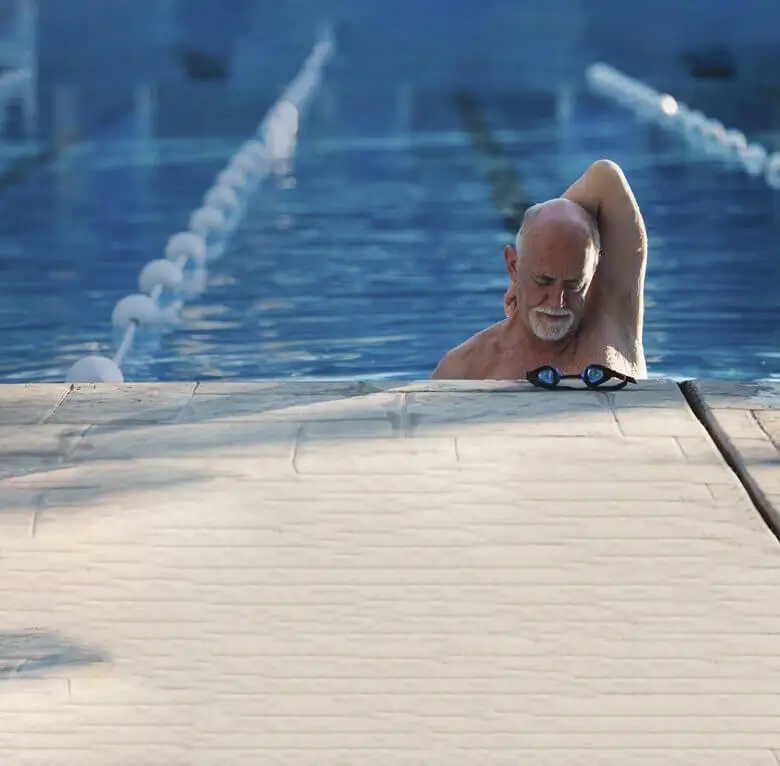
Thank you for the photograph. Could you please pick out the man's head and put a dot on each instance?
(552, 265)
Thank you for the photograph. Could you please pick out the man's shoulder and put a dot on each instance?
(469, 358)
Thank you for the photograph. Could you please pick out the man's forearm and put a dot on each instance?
(587, 190)
(604, 192)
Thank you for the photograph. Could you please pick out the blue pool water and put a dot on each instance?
(386, 253)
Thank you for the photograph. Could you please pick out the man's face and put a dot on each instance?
(553, 275)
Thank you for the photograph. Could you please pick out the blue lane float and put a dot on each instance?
(183, 269)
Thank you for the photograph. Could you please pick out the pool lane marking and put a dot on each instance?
(19, 170)
(509, 196)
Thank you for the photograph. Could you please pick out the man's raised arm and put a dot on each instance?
(604, 192)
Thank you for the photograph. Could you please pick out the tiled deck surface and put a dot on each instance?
(352, 574)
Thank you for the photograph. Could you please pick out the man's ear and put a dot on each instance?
(510, 257)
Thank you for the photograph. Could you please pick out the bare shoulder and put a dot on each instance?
(471, 359)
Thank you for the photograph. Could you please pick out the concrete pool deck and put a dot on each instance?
(361, 573)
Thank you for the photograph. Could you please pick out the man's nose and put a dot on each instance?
(559, 296)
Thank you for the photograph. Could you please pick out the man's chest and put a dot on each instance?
(604, 345)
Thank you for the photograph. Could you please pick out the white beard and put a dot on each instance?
(551, 324)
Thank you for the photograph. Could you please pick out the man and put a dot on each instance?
(576, 295)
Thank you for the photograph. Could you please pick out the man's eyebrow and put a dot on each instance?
(572, 281)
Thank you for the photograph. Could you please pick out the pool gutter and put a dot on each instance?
(731, 455)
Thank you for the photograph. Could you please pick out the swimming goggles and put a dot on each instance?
(593, 376)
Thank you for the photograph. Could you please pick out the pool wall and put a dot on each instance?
(104, 50)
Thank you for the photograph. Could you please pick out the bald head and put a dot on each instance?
(559, 221)
(552, 266)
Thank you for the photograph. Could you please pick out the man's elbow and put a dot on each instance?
(606, 166)
(614, 191)
(609, 171)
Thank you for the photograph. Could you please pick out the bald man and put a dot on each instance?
(576, 295)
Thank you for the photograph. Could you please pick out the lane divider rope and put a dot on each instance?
(182, 272)
(700, 131)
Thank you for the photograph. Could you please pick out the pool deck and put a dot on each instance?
(358, 573)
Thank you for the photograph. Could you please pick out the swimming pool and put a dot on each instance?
(385, 253)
